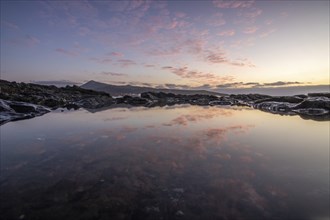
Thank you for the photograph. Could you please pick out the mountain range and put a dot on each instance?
(116, 90)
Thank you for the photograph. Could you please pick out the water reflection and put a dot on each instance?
(162, 163)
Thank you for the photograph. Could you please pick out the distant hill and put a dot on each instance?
(116, 90)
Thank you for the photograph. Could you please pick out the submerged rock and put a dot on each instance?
(315, 102)
(274, 107)
(312, 111)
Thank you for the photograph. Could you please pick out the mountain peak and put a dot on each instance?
(115, 90)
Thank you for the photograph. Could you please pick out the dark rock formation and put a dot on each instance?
(319, 94)
(170, 98)
(21, 100)
(289, 99)
(249, 97)
(52, 96)
(315, 102)
(135, 101)
(13, 111)
(25, 100)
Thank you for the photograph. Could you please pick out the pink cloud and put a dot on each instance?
(250, 30)
(165, 52)
(173, 25)
(116, 54)
(232, 4)
(195, 46)
(227, 33)
(207, 77)
(221, 58)
(101, 60)
(242, 63)
(66, 52)
(243, 43)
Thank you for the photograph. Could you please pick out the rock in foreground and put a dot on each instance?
(13, 111)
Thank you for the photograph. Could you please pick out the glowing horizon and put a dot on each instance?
(206, 44)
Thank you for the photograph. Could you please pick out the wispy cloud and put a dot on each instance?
(232, 4)
(84, 31)
(253, 13)
(237, 85)
(116, 54)
(267, 33)
(248, 42)
(221, 58)
(250, 30)
(126, 62)
(149, 65)
(66, 52)
(281, 83)
(113, 73)
(227, 33)
(26, 40)
(101, 60)
(10, 25)
(216, 20)
(31, 41)
(257, 85)
(165, 52)
(186, 73)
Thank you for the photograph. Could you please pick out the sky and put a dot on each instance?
(167, 44)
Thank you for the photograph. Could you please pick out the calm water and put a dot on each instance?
(183, 162)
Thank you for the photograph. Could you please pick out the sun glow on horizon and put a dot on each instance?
(206, 44)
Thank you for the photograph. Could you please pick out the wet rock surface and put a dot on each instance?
(312, 106)
(13, 111)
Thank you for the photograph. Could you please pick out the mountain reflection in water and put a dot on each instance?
(178, 162)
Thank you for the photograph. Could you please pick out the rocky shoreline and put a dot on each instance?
(24, 100)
